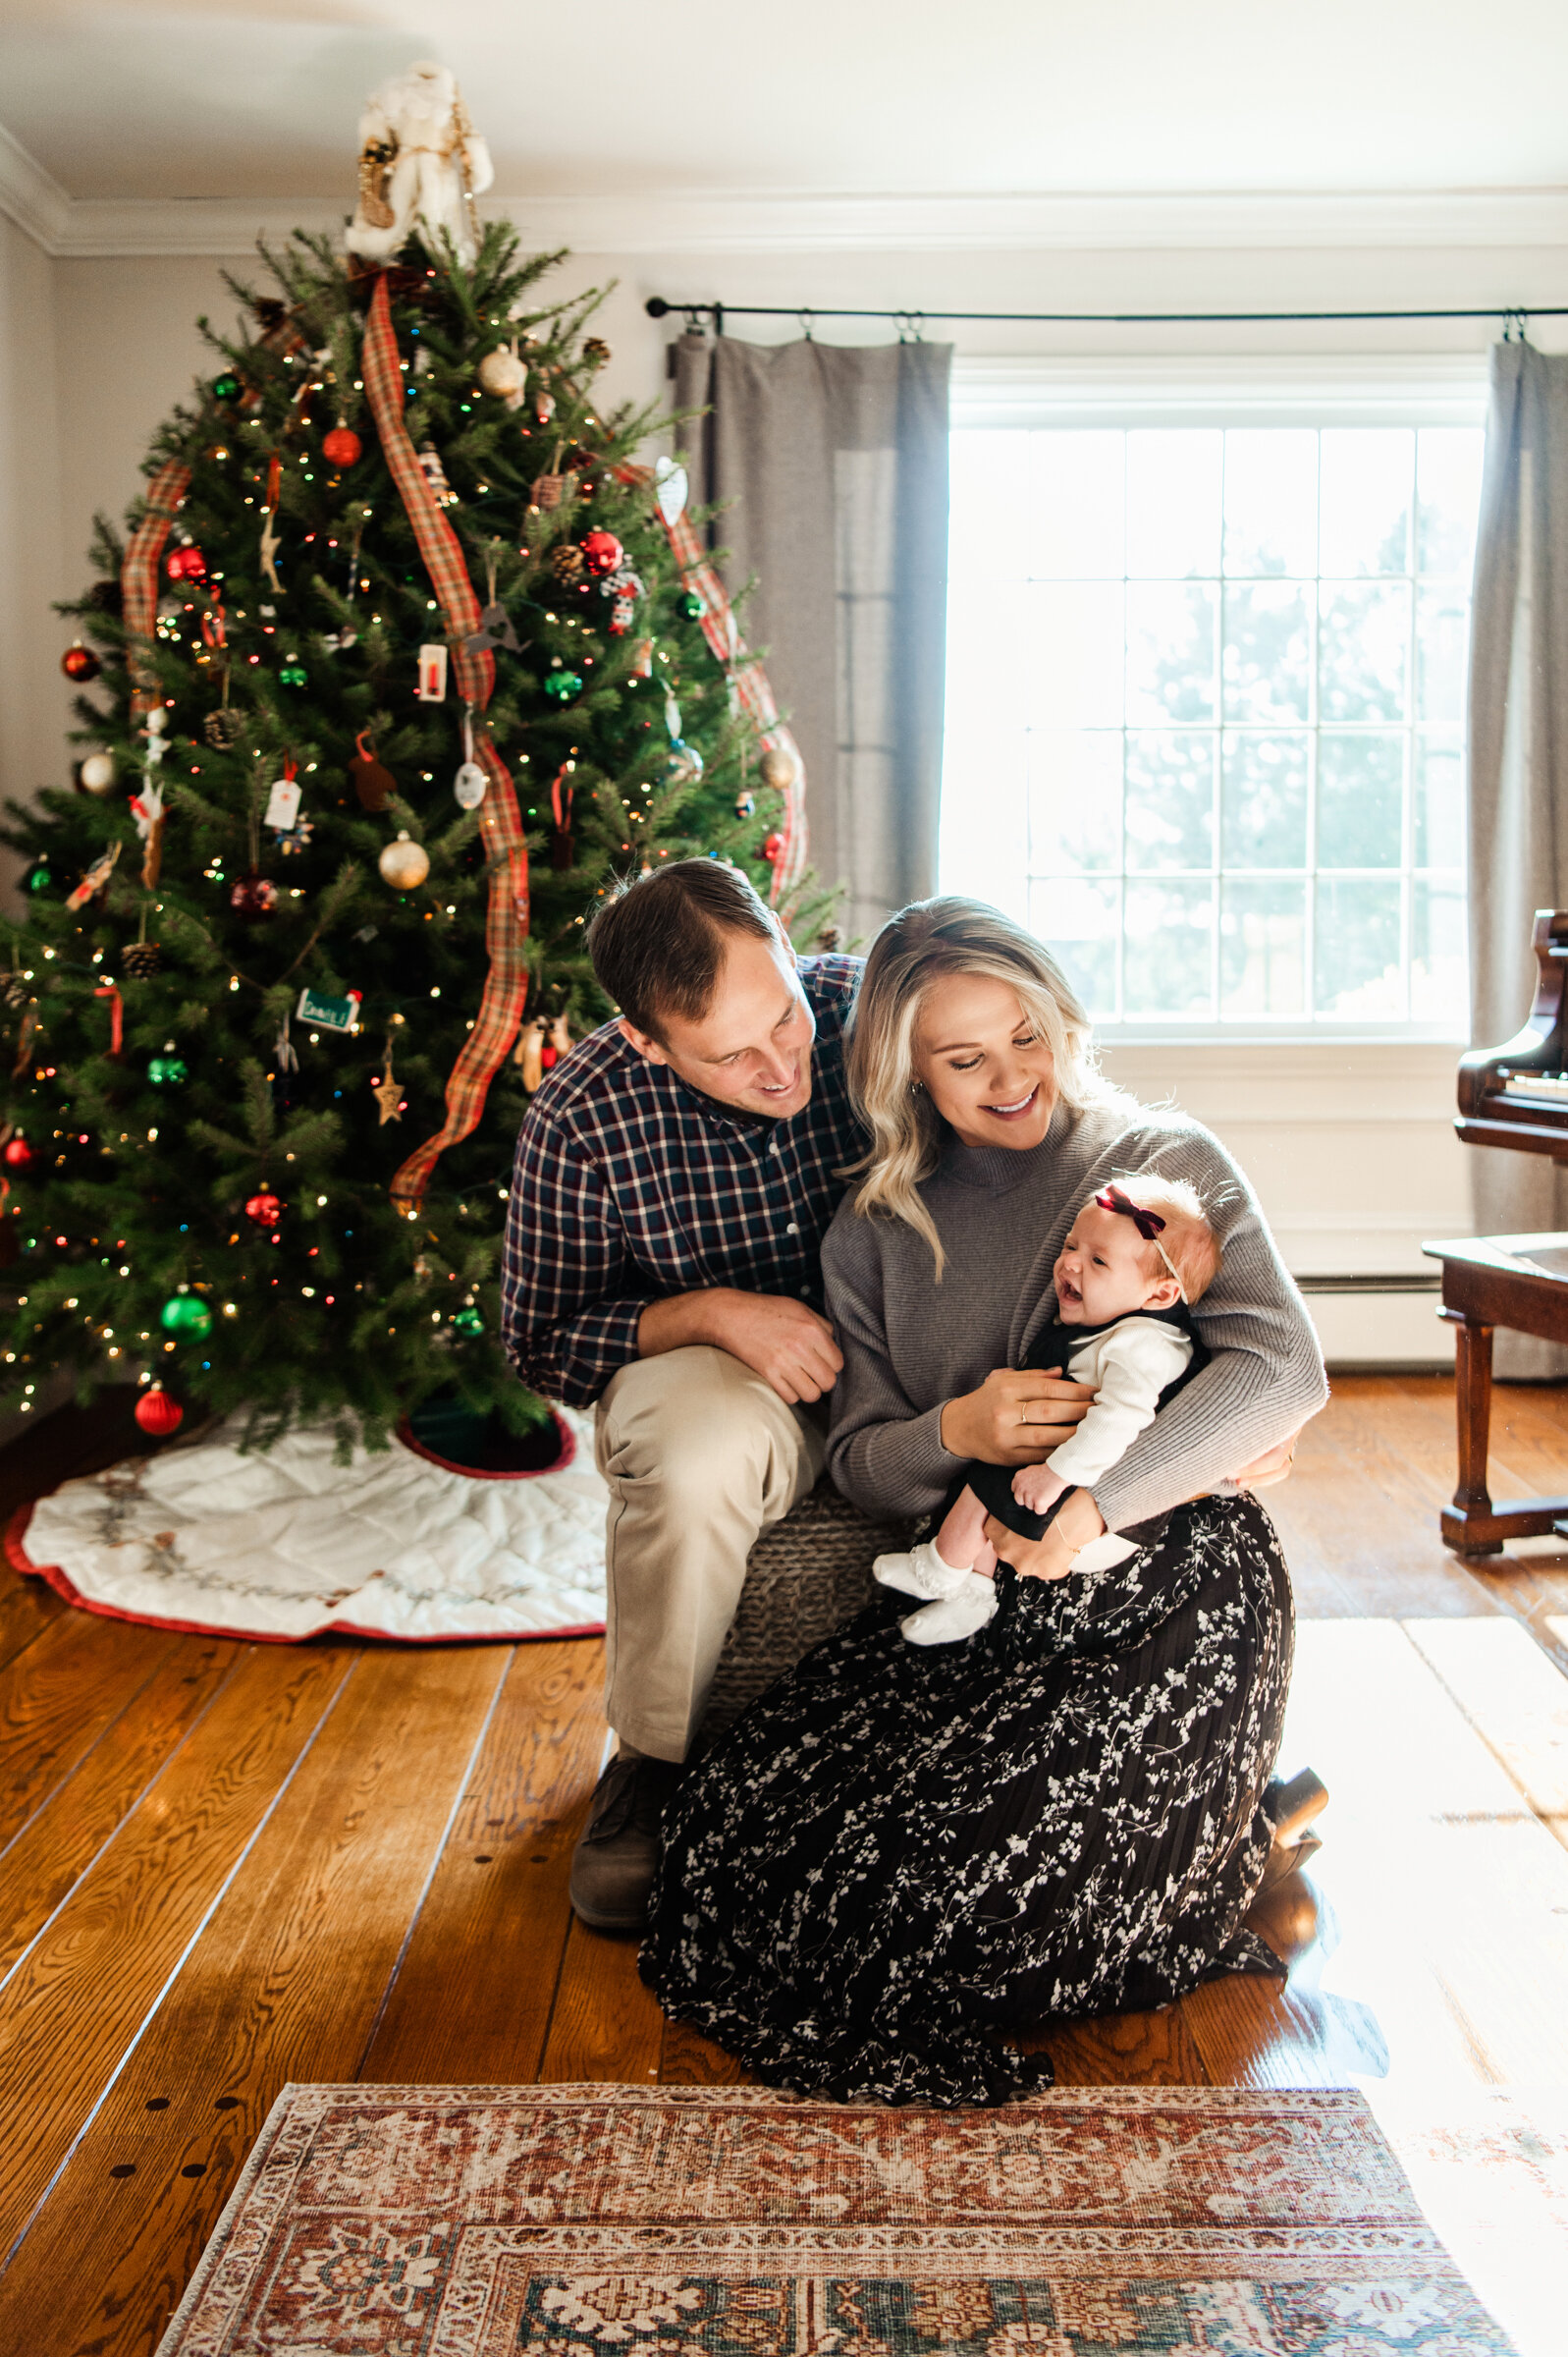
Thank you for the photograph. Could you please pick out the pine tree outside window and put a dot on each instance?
(1206, 700)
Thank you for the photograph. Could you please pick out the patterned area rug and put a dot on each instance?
(413, 2221)
(287, 1544)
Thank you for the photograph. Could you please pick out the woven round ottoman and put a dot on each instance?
(806, 1576)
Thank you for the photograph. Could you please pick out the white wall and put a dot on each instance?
(1351, 1149)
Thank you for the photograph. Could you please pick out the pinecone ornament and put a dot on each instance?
(222, 729)
(568, 564)
(142, 959)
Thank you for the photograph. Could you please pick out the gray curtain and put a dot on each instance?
(1519, 764)
(835, 459)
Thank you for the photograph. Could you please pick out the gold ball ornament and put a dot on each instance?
(97, 773)
(404, 864)
(501, 372)
(776, 769)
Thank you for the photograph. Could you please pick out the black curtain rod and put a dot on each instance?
(1514, 315)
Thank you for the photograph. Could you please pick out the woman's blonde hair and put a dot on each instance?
(913, 950)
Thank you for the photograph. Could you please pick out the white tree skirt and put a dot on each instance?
(287, 1544)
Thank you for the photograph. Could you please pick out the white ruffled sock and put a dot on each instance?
(920, 1573)
(953, 1618)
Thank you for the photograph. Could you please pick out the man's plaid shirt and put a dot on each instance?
(631, 1186)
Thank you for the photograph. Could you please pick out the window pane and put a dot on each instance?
(1438, 786)
(978, 462)
(1077, 518)
(1449, 498)
(1367, 480)
(1079, 923)
(982, 838)
(1270, 501)
(1357, 950)
(1073, 658)
(1169, 937)
(1264, 800)
(1360, 798)
(1442, 651)
(1075, 799)
(1171, 650)
(1173, 501)
(1363, 645)
(1170, 799)
(1439, 964)
(1263, 932)
(1265, 655)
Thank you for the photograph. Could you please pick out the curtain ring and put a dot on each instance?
(1516, 326)
(806, 319)
(912, 326)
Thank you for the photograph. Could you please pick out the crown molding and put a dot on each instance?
(783, 221)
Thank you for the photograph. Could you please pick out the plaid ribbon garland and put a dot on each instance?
(139, 578)
(506, 853)
(747, 678)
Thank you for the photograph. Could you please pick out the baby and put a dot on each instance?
(1135, 1258)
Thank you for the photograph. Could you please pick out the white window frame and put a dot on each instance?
(1229, 390)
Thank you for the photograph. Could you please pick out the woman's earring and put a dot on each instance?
(915, 1088)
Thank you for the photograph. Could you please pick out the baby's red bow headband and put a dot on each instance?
(1149, 1224)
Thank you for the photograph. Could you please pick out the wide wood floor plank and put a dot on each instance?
(84, 1810)
(58, 1697)
(498, 1900)
(606, 2024)
(26, 1607)
(99, 1968)
(1514, 1697)
(283, 1983)
(688, 2060)
(1124, 2050)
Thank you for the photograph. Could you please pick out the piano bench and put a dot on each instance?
(1520, 1281)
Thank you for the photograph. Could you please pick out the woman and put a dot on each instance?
(902, 1851)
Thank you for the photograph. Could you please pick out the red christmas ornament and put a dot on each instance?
(266, 1210)
(254, 897)
(773, 849)
(18, 1153)
(157, 1413)
(80, 663)
(602, 552)
(186, 565)
(342, 446)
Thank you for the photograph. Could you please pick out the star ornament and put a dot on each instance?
(388, 1094)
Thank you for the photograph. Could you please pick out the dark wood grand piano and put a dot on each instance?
(1515, 1096)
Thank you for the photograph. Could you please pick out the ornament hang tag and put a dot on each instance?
(432, 687)
(283, 803)
(328, 1013)
(670, 489)
(469, 784)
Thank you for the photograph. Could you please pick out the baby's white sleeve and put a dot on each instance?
(1135, 1368)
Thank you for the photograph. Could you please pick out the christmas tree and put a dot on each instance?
(402, 660)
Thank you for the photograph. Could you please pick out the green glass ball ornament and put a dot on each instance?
(563, 686)
(291, 675)
(39, 876)
(168, 1071)
(690, 605)
(182, 1313)
(226, 387)
(468, 1321)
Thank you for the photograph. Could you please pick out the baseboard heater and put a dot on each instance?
(1404, 1281)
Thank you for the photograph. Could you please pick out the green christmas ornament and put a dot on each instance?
(468, 1321)
(293, 674)
(168, 1071)
(182, 1313)
(39, 876)
(226, 387)
(563, 686)
(690, 605)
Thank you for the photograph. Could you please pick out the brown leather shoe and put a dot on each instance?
(617, 1855)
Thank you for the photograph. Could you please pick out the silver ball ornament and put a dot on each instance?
(777, 768)
(501, 372)
(97, 773)
(404, 864)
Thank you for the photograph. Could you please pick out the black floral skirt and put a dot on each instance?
(901, 1853)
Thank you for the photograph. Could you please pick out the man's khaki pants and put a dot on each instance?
(700, 1455)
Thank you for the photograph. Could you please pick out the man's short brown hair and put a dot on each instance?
(657, 943)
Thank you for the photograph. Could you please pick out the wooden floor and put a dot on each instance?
(225, 1866)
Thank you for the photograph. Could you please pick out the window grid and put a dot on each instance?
(1416, 724)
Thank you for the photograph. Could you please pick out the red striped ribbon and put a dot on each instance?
(745, 672)
(139, 578)
(507, 919)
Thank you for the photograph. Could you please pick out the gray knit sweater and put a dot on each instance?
(911, 1344)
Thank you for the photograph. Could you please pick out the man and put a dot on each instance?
(673, 1182)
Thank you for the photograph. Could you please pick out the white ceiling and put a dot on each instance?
(117, 99)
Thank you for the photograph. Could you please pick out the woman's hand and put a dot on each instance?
(1273, 1466)
(1016, 1418)
(1050, 1558)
